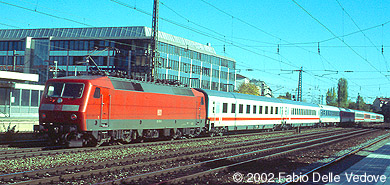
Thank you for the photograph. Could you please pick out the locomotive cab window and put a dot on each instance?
(96, 94)
(65, 90)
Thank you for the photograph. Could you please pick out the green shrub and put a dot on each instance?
(9, 132)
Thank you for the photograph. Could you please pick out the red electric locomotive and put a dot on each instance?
(91, 110)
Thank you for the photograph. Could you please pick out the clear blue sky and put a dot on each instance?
(250, 31)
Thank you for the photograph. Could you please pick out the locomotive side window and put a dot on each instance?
(96, 94)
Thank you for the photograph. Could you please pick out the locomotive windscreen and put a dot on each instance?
(65, 90)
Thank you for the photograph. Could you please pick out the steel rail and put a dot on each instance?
(338, 159)
(34, 152)
(85, 169)
(273, 155)
(265, 152)
(268, 141)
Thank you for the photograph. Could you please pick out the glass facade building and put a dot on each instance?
(125, 48)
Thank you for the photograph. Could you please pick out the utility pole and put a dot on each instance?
(299, 96)
(358, 102)
(154, 40)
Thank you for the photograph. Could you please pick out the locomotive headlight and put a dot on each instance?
(73, 117)
(43, 115)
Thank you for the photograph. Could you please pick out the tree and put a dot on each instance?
(248, 88)
(342, 93)
(331, 97)
(287, 96)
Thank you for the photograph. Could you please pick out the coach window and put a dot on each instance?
(248, 109)
(260, 109)
(233, 108)
(241, 109)
(272, 110)
(96, 94)
(276, 110)
(266, 110)
(224, 107)
(254, 109)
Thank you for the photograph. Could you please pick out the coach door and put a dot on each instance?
(283, 114)
(105, 107)
(216, 117)
(199, 110)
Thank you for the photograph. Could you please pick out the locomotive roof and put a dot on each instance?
(134, 85)
(256, 98)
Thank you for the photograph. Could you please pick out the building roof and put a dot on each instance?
(383, 99)
(133, 32)
(18, 77)
(238, 76)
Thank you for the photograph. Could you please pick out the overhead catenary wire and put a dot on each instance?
(330, 31)
(372, 43)
(244, 47)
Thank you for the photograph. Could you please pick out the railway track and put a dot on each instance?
(204, 168)
(188, 159)
(309, 173)
(55, 150)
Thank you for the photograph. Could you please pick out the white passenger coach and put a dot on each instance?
(234, 111)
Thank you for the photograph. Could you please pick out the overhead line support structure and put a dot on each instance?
(154, 40)
(299, 98)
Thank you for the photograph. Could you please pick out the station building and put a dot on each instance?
(112, 48)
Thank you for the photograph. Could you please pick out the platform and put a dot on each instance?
(22, 124)
(373, 169)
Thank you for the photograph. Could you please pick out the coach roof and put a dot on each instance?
(255, 98)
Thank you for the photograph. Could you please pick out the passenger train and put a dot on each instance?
(91, 110)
